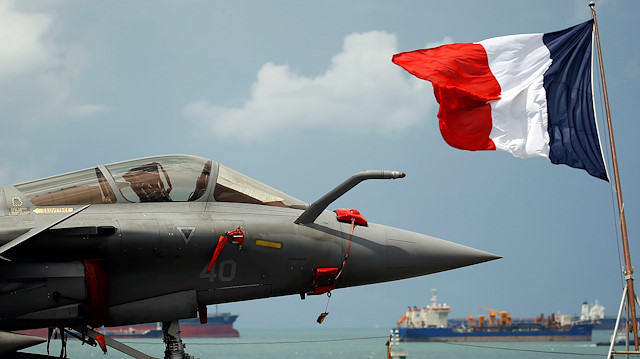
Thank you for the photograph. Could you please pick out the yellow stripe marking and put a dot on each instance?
(269, 244)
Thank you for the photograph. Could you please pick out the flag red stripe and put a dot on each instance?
(463, 84)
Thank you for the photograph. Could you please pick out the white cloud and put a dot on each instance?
(23, 47)
(360, 91)
(36, 71)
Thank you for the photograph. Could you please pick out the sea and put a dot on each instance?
(323, 343)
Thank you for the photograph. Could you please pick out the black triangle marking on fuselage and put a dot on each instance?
(187, 233)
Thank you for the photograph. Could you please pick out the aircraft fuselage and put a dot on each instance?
(124, 261)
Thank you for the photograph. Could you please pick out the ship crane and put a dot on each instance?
(505, 317)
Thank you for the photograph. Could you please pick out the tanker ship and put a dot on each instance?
(219, 325)
(431, 325)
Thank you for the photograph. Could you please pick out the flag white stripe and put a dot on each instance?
(519, 117)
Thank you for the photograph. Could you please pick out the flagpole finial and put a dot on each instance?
(592, 4)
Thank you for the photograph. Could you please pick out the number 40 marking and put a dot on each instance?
(225, 271)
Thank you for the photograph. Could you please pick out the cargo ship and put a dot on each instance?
(431, 325)
(219, 325)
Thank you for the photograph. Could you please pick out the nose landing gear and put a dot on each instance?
(173, 342)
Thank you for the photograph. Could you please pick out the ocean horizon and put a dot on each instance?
(324, 343)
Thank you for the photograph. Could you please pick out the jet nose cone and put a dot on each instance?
(412, 254)
(381, 254)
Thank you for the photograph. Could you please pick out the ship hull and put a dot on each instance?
(218, 326)
(577, 332)
(186, 331)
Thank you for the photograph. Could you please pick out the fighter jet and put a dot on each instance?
(158, 239)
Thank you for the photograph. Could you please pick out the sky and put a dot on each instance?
(301, 95)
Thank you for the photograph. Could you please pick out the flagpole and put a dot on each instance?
(628, 270)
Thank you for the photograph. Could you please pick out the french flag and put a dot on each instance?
(529, 95)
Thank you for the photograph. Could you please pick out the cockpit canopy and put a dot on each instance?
(175, 178)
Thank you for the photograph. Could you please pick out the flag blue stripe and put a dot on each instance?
(573, 136)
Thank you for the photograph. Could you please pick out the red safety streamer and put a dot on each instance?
(221, 242)
(96, 288)
(101, 341)
(346, 255)
(323, 315)
(318, 290)
(202, 314)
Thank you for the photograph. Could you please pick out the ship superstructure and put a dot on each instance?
(431, 324)
(433, 316)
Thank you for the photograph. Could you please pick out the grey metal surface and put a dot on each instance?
(145, 256)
